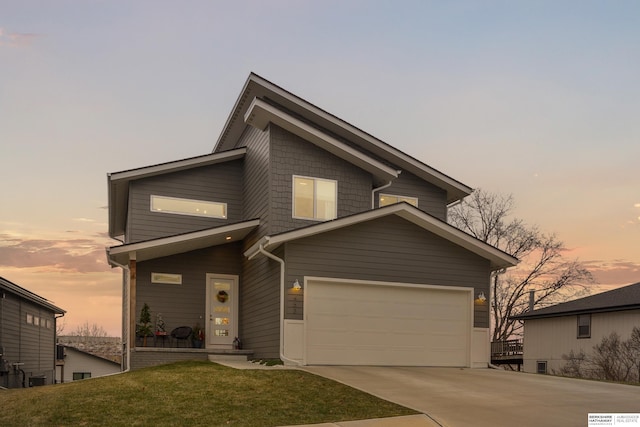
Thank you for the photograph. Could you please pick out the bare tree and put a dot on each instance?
(90, 330)
(485, 216)
(612, 359)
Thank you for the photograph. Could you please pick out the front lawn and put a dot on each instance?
(193, 393)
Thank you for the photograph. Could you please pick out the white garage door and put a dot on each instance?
(349, 323)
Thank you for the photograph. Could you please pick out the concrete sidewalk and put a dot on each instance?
(420, 420)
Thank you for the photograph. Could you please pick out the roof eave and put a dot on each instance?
(165, 246)
(497, 258)
(260, 114)
(258, 87)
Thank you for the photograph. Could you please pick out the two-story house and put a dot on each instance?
(308, 239)
(27, 337)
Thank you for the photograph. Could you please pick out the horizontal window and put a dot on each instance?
(314, 198)
(81, 375)
(192, 207)
(390, 199)
(170, 279)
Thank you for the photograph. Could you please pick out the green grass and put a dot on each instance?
(193, 393)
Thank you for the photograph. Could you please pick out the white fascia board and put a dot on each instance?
(498, 258)
(179, 165)
(260, 114)
(256, 86)
(165, 246)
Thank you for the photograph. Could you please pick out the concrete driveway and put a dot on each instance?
(486, 397)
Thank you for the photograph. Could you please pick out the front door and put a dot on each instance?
(222, 310)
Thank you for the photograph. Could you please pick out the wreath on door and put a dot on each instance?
(222, 296)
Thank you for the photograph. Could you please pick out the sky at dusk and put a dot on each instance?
(538, 99)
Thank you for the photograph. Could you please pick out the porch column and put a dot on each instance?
(132, 302)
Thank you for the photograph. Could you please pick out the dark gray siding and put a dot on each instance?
(260, 288)
(256, 180)
(292, 155)
(32, 345)
(389, 249)
(221, 182)
(260, 307)
(184, 305)
(431, 199)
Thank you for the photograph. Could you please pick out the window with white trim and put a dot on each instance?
(390, 199)
(175, 205)
(315, 198)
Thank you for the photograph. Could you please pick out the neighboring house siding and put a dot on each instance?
(260, 307)
(431, 199)
(549, 339)
(389, 249)
(77, 361)
(221, 182)
(256, 180)
(26, 343)
(292, 155)
(184, 305)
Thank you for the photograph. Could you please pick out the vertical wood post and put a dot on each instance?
(132, 303)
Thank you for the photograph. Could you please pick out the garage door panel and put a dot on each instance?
(366, 324)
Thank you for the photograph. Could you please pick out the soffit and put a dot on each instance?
(172, 245)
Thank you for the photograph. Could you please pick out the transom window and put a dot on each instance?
(192, 207)
(315, 198)
(584, 326)
(390, 199)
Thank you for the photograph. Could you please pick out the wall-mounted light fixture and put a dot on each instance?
(296, 285)
(481, 299)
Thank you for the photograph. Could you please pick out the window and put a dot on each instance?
(29, 319)
(178, 206)
(584, 326)
(390, 199)
(81, 375)
(541, 367)
(168, 278)
(314, 198)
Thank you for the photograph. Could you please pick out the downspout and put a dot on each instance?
(282, 302)
(373, 193)
(55, 346)
(382, 187)
(125, 270)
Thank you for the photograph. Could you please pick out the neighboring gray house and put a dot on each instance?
(80, 365)
(305, 237)
(27, 337)
(551, 332)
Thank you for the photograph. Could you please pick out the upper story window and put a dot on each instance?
(192, 207)
(315, 198)
(584, 326)
(390, 199)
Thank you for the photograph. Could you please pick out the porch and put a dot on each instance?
(142, 357)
